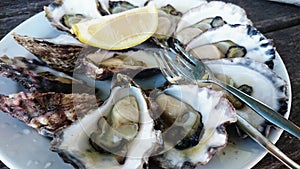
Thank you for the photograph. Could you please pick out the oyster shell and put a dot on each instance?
(36, 77)
(118, 134)
(206, 16)
(115, 6)
(60, 53)
(169, 13)
(104, 64)
(47, 112)
(63, 13)
(178, 5)
(192, 120)
(245, 41)
(266, 86)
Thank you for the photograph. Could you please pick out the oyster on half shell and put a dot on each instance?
(63, 13)
(266, 86)
(192, 120)
(244, 41)
(104, 64)
(119, 134)
(169, 13)
(206, 16)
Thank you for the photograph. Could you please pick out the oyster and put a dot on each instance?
(116, 6)
(167, 23)
(63, 13)
(36, 77)
(169, 13)
(47, 112)
(192, 120)
(118, 134)
(246, 41)
(266, 86)
(60, 53)
(178, 5)
(206, 16)
(103, 64)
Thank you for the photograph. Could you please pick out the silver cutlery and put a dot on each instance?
(198, 72)
(185, 68)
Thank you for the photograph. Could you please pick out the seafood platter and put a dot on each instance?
(78, 106)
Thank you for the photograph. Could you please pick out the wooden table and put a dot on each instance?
(280, 22)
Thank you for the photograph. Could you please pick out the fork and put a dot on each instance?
(180, 71)
(196, 71)
(202, 73)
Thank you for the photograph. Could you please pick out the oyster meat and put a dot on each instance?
(206, 16)
(47, 112)
(116, 6)
(192, 120)
(104, 64)
(169, 13)
(60, 53)
(119, 134)
(63, 13)
(246, 41)
(178, 5)
(266, 86)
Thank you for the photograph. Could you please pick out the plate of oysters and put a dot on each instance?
(66, 104)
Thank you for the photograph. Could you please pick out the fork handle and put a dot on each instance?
(264, 142)
(262, 109)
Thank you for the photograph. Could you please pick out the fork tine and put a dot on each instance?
(164, 66)
(186, 54)
(176, 66)
(184, 63)
(199, 69)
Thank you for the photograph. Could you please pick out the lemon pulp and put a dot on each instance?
(119, 31)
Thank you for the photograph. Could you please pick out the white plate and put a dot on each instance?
(22, 147)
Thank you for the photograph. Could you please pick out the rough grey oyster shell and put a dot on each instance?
(47, 112)
(36, 77)
(60, 53)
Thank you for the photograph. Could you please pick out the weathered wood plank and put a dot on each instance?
(287, 43)
(12, 13)
(269, 16)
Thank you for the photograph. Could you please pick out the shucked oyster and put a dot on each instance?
(63, 13)
(169, 13)
(60, 53)
(244, 41)
(192, 121)
(266, 86)
(104, 64)
(206, 16)
(119, 134)
(116, 6)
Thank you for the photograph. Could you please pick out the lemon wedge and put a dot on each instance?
(119, 31)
